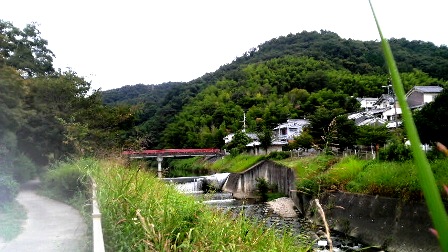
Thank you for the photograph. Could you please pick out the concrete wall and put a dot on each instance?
(390, 223)
(244, 185)
(379, 221)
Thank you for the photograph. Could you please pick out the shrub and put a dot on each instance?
(395, 151)
(262, 188)
(65, 181)
(9, 189)
(278, 155)
(24, 169)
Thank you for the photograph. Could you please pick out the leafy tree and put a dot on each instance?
(332, 128)
(239, 142)
(373, 135)
(432, 120)
(25, 50)
(51, 101)
(304, 141)
(265, 137)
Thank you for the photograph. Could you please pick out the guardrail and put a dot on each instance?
(97, 230)
(173, 152)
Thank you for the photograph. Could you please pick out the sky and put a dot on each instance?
(116, 43)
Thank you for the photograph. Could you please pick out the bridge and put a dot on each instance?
(160, 154)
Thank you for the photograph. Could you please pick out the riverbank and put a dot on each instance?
(383, 222)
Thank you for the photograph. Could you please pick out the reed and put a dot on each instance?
(426, 178)
(141, 213)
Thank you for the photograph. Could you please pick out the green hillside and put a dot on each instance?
(287, 77)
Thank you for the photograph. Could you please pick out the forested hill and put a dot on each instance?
(286, 77)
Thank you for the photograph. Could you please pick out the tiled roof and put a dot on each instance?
(428, 89)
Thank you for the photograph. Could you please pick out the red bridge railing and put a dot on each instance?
(172, 153)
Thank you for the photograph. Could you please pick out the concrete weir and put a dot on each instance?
(390, 223)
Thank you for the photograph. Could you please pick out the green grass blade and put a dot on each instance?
(425, 175)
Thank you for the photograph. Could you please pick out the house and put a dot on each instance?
(371, 117)
(229, 137)
(367, 103)
(420, 95)
(287, 131)
(385, 101)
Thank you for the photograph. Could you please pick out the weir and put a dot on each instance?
(257, 211)
(389, 223)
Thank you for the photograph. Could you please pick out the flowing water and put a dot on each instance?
(261, 212)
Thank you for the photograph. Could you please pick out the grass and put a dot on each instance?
(425, 175)
(187, 167)
(393, 179)
(140, 213)
(236, 164)
(12, 217)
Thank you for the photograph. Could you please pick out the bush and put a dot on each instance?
(395, 151)
(24, 169)
(279, 155)
(65, 181)
(263, 189)
(9, 189)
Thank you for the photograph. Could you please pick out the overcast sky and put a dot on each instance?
(116, 43)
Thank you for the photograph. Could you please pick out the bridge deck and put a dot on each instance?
(172, 153)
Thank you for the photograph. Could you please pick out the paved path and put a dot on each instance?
(51, 226)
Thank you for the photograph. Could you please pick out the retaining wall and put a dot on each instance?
(390, 223)
(244, 184)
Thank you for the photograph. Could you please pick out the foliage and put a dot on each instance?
(385, 178)
(9, 189)
(284, 78)
(393, 179)
(267, 191)
(186, 167)
(265, 137)
(330, 128)
(395, 151)
(373, 135)
(278, 155)
(303, 141)
(426, 177)
(263, 188)
(24, 169)
(239, 142)
(12, 217)
(432, 120)
(25, 50)
(236, 164)
(142, 213)
(67, 180)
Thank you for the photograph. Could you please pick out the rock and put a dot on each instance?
(283, 206)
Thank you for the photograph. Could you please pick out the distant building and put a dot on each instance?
(385, 101)
(367, 103)
(287, 131)
(421, 95)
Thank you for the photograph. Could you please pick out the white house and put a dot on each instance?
(367, 102)
(287, 131)
(421, 95)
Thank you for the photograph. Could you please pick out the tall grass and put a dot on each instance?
(425, 175)
(141, 213)
(236, 164)
(394, 179)
(373, 177)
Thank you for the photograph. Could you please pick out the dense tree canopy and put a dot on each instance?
(432, 120)
(50, 115)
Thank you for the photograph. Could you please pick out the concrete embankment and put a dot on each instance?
(394, 224)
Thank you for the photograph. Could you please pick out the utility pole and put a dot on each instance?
(244, 122)
(390, 91)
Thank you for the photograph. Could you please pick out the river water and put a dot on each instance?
(261, 212)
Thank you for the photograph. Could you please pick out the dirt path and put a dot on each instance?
(51, 226)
